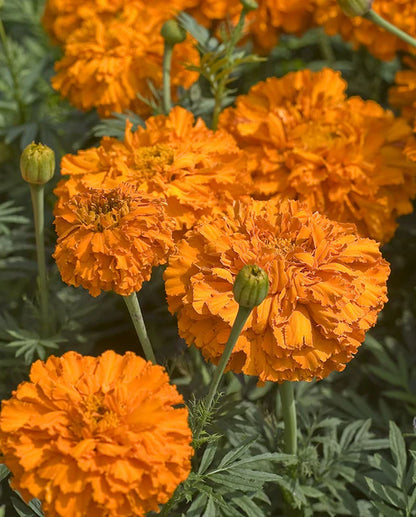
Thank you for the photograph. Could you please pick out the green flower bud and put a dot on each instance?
(251, 286)
(249, 5)
(37, 164)
(355, 7)
(172, 32)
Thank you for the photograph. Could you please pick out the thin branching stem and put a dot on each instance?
(136, 315)
(219, 91)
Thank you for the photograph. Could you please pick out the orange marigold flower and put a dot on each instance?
(326, 287)
(358, 30)
(346, 158)
(96, 436)
(62, 17)
(108, 61)
(264, 24)
(196, 170)
(110, 239)
(403, 95)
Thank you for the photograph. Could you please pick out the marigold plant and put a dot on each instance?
(109, 61)
(358, 30)
(111, 239)
(347, 158)
(196, 170)
(327, 286)
(96, 436)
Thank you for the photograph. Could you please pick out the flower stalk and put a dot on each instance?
(37, 193)
(172, 33)
(133, 307)
(384, 24)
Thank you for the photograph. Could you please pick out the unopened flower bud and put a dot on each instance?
(249, 5)
(172, 32)
(37, 164)
(251, 286)
(355, 7)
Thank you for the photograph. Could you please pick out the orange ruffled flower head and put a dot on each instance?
(359, 31)
(326, 287)
(62, 17)
(264, 24)
(96, 436)
(347, 158)
(109, 60)
(110, 239)
(196, 170)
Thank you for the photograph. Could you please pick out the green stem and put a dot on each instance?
(384, 24)
(37, 195)
(289, 416)
(326, 48)
(167, 62)
(240, 320)
(219, 92)
(136, 315)
(10, 64)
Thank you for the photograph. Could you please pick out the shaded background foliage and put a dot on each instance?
(356, 433)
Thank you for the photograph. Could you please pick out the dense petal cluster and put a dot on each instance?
(264, 24)
(62, 17)
(347, 158)
(111, 239)
(196, 170)
(358, 30)
(326, 287)
(403, 94)
(109, 60)
(96, 436)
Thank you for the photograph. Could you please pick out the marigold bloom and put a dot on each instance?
(109, 61)
(63, 17)
(346, 158)
(358, 30)
(196, 170)
(110, 239)
(264, 24)
(96, 436)
(403, 95)
(326, 287)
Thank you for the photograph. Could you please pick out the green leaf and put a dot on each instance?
(398, 450)
(207, 457)
(4, 472)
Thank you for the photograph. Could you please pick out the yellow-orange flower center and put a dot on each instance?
(153, 158)
(104, 210)
(94, 418)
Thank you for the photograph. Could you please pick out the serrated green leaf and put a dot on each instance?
(385, 511)
(248, 506)
(398, 450)
(235, 454)
(388, 493)
(4, 472)
(210, 508)
(207, 457)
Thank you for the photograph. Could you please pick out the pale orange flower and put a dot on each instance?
(111, 239)
(358, 30)
(196, 170)
(347, 158)
(96, 436)
(326, 287)
(109, 61)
